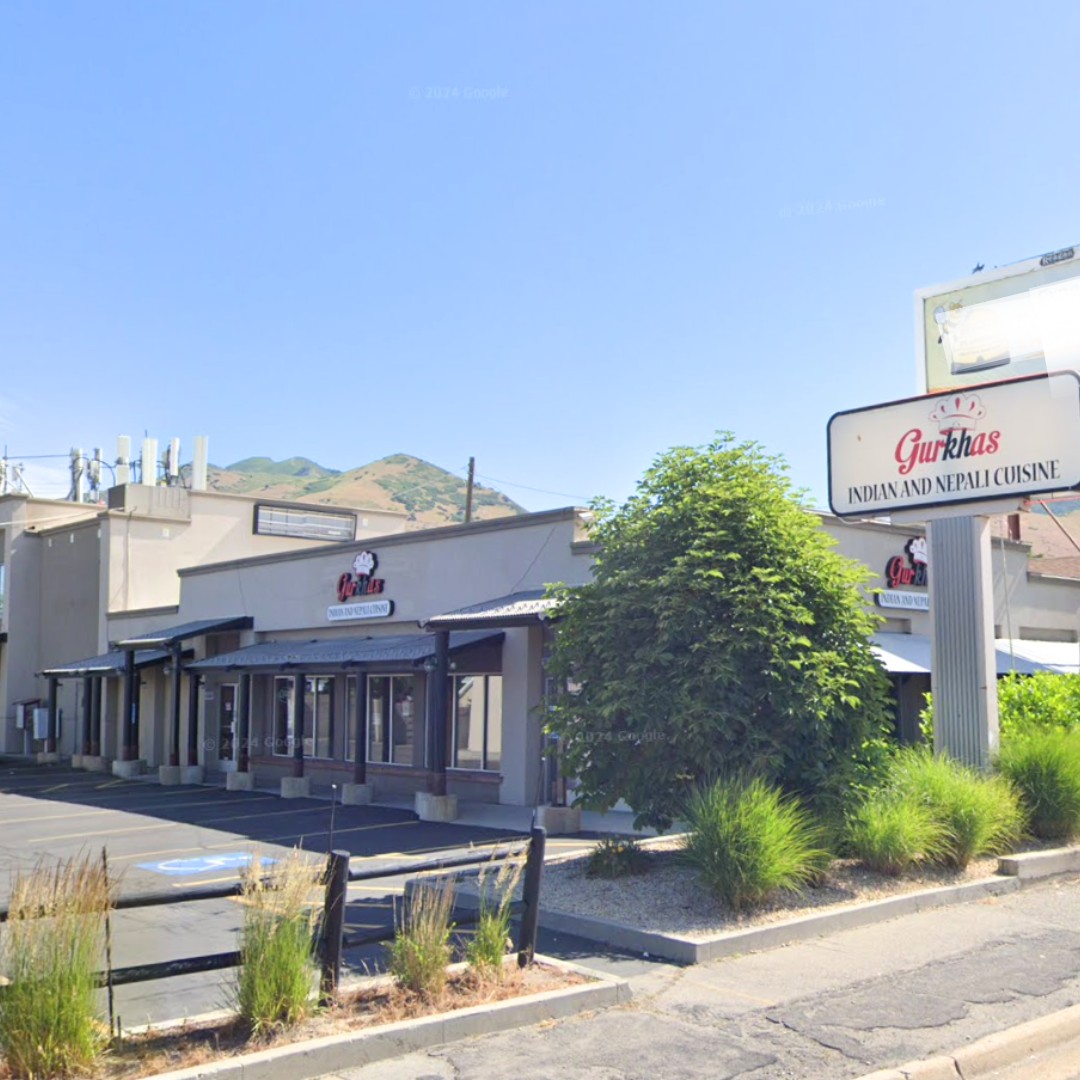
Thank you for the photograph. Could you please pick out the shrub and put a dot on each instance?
(888, 832)
(617, 856)
(1044, 701)
(747, 839)
(52, 948)
(275, 982)
(421, 950)
(487, 947)
(719, 631)
(1045, 769)
(981, 814)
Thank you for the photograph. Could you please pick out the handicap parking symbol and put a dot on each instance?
(200, 864)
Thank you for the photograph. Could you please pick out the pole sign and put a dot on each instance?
(998, 441)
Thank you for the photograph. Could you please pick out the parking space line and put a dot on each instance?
(115, 810)
(96, 832)
(215, 824)
(254, 842)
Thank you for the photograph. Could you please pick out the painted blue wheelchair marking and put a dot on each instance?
(200, 864)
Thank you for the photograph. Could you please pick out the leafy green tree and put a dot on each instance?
(720, 632)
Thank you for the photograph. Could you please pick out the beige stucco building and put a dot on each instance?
(68, 570)
(173, 635)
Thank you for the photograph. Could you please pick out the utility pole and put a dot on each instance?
(469, 490)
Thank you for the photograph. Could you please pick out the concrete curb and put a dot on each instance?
(1039, 864)
(996, 1051)
(316, 1057)
(1014, 872)
(686, 950)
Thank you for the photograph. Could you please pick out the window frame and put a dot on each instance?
(289, 740)
(485, 756)
(389, 725)
(310, 733)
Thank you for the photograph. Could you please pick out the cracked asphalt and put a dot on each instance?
(836, 1007)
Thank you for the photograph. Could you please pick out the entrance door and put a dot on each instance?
(227, 693)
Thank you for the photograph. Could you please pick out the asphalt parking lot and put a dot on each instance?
(173, 838)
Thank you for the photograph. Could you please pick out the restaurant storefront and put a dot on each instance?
(411, 666)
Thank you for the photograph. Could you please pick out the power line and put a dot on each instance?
(525, 487)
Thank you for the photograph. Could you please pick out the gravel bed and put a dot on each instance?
(669, 899)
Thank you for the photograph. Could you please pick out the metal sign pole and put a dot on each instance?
(963, 676)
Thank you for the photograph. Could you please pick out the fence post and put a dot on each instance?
(333, 923)
(530, 915)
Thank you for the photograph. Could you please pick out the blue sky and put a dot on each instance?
(558, 236)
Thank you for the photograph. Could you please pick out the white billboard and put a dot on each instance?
(998, 324)
(1000, 441)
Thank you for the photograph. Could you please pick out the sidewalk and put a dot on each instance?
(836, 1007)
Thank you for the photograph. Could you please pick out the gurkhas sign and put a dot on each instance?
(901, 574)
(998, 441)
(359, 585)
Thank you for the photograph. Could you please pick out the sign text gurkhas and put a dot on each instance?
(997, 441)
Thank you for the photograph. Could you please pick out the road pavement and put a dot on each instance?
(836, 1007)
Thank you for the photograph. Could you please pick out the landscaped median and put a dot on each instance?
(322, 1045)
(665, 913)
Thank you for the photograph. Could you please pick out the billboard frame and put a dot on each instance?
(1033, 265)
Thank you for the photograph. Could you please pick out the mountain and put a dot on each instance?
(429, 494)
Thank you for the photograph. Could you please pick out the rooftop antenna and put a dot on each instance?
(148, 475)
(199, 464)
(123, 459)
(78, 476)
(93, 474)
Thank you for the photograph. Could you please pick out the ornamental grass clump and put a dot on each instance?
(890, 831)
(421, 951)
(276, 979)
(981, 814)
(51, 948)
(1044, 766)
(488, 946)
(747, 839)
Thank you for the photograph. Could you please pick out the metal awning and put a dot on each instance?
(518, 609)
(340, 652)
(1060, 656)
(157, 639)
(909, 654)
(110, 663)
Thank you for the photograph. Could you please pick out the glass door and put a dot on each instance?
(227, 694)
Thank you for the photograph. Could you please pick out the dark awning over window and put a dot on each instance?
(110, 663)
(339, 652)
(518, 609)
(158, 639)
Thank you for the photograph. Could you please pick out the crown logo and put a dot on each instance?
(918, 550)
(958, 412)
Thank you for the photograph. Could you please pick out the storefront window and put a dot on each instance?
(284, 724)
(378, 717)
(391, 718)
(477, 721)
(318, 716)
